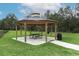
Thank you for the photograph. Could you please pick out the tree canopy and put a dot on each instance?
(68, 22)
(9, 22)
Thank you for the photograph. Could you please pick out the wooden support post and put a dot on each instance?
(55, 31)
(51, 28)
(25, 30)
(30, 31)
(21, 30)
(46, 26)
(16, 31)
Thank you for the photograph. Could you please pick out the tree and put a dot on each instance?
(9, 22)
(66, 16)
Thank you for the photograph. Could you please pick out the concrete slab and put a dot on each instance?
(34, 41)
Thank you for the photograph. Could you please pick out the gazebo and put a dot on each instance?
(37, 21)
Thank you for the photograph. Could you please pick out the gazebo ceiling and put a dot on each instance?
(39, 21)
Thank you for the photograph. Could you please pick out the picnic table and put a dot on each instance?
(35, 35)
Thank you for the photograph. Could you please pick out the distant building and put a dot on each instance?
(36, 16)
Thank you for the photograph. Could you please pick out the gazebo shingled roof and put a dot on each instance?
(35, 21)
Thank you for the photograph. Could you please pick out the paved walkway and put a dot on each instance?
(66, 45)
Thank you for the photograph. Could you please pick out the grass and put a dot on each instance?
(71, 38)
(9, 47)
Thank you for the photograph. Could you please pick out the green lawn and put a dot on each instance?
(8, 46)
(71, 38)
